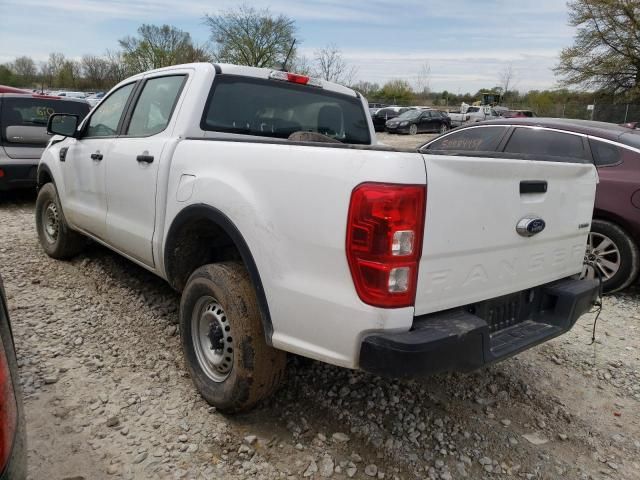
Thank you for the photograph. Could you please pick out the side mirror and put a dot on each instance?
(63, 124)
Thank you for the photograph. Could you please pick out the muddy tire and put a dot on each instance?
(56, 238)
(223, 341)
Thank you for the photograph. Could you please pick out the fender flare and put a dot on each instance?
(198, 211)
(43, 169)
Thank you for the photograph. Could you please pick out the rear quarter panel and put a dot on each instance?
(290, 203)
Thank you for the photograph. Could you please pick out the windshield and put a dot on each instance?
(273, 108)
(409, 115)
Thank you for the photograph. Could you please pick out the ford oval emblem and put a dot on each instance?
(529, 226)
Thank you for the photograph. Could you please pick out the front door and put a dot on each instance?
(84, 166)
(132, 170)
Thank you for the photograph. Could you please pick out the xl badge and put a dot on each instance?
(529, 226)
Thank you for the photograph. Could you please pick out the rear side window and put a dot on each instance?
(604, 153)
(534, 141)
(155, 105)
(272, 108)
(477, 139)
(34, 113)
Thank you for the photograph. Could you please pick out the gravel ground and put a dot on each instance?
(107, 394)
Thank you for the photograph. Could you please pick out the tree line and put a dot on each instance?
(603, 64)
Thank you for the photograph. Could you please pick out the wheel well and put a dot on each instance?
(200, 235)
(199, 242)
(44, 176)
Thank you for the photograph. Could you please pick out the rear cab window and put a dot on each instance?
(473, 139)
(273, 108)
(24, 120)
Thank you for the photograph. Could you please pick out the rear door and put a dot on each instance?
(133, 162)
(472, 250)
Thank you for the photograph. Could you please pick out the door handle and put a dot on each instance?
(145, 158)
(96, 156)
(533, 186)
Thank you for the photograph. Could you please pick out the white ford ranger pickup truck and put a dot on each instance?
(265, 199)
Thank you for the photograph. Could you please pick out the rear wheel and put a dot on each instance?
(413, 129)
(612, 255)
(443, 128)
(56, 238)
(223, 341)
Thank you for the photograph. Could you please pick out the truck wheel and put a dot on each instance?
(226, 354)
(611, 254)
(56, 238)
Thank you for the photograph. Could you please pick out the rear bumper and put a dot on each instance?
(467, 338)
(18, 176)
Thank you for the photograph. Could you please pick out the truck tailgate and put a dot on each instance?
(472, 251)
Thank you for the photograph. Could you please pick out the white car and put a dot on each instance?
(265, 199)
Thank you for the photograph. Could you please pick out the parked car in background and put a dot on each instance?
(6, 89)
(23, 134)
(381, 116)
(473, 114)
(419, 121)
(95, 98)
(612, 251)
(71, 94)
(13, 449)
(517, 114)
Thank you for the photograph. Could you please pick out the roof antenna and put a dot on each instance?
(284, 64)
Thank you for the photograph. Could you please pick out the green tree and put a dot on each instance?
(159, 46)
(606, 51)
(397, 91)
(26, 70)
(257, 38)
(7, 77)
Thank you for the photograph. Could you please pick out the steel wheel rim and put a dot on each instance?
(51, 222)
(212, 339)
(413, 129)
(601, 258)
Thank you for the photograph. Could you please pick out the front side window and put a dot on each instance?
(33, 113)
(535, 141)
(605, 154)
(273, 108)
(475, 139)
(104, 121)
(155, 105)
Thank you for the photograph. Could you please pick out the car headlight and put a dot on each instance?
(404, 124)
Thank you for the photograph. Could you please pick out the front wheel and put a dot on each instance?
(56, 238)
(612, 255)
(223, 341)
(413, 129)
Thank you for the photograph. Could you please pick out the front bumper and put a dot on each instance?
(470, 337)
(18, 176)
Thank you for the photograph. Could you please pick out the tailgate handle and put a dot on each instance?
(533, 186)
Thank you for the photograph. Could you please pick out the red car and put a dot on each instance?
(13, 451)
(612, 253)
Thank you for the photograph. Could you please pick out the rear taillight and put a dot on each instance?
(384, 242)
(8, 409)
